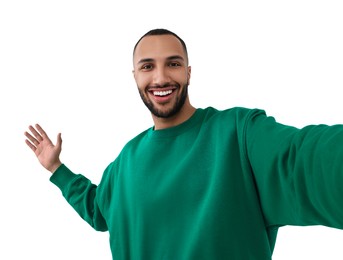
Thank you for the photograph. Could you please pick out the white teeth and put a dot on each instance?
(162, 93)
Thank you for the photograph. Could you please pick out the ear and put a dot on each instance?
(189, 70)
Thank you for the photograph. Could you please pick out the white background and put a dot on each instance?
(67, 65)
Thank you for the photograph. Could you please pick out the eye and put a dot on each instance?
(146, 67)
(174, 64)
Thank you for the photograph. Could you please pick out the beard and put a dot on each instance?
(180, 101)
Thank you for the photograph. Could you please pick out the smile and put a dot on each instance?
(162, 93)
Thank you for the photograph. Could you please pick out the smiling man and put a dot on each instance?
(162, 75)
(202, 183)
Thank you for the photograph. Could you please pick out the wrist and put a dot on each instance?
(54, 167)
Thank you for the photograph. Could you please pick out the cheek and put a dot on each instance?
(141, 81)
(183, 78)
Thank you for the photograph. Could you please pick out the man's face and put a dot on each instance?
(162, 74)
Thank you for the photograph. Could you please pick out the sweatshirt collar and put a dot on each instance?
(179, 129)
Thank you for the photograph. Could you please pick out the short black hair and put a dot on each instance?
(161, 31)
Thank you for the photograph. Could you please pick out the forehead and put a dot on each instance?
(158, 47)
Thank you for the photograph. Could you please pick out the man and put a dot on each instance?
(202, 183)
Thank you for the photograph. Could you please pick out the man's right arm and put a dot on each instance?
(77, 189)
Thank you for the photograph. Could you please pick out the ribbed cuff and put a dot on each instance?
(62, 176)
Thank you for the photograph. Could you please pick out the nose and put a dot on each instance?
(160, 76)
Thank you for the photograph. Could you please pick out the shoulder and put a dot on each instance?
(136, 141)
(237, 114)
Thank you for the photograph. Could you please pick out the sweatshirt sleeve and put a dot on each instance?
(81, 194)
(298, 172)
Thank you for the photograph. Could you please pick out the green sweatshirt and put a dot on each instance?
(218, 186)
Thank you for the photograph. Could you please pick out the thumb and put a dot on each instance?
(59, 141)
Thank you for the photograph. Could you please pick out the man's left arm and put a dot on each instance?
(298, 172)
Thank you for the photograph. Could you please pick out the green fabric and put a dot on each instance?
(217, 186)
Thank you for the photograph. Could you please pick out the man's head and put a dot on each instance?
(162, 73)
(157, 32)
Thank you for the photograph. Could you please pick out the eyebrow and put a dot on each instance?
(174, 57)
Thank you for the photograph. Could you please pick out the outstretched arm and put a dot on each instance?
(47, 153)
(80, 193)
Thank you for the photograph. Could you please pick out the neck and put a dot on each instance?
(183, 115)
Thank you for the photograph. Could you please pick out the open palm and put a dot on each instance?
(46, 152)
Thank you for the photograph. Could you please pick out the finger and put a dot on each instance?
(59, 141)
(29, 144)
(35, 133)
(42, 132)
(31, 138)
